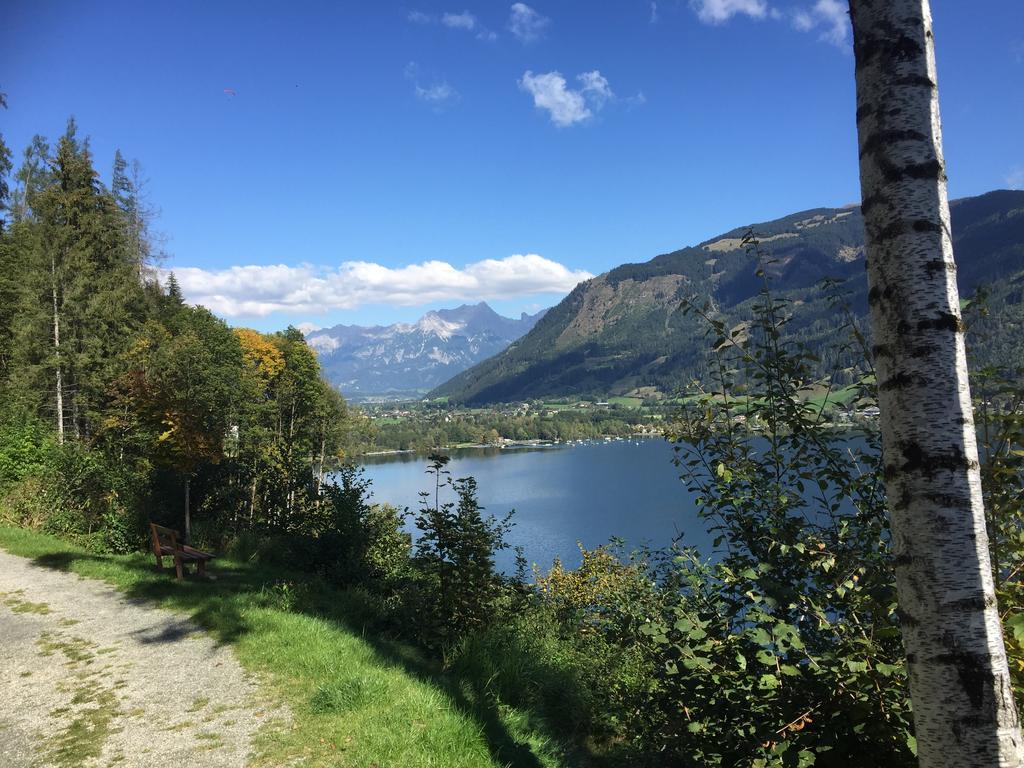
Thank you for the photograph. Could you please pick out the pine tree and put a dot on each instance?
(127, 187)
(79, 306)
(32, 177)
(5, 189)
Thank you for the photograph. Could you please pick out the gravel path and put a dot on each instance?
(89, 677)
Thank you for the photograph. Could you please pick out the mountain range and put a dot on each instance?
(625, 331)
(405, 360)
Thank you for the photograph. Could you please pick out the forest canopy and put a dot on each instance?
(110, 382)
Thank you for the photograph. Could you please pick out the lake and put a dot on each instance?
(562, 494)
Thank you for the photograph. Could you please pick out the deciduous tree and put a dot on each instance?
(964, 712)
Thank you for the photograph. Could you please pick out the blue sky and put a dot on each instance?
(362, 162)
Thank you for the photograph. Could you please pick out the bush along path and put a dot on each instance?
(95, 678)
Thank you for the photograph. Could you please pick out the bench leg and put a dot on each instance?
(179, 566)
(201, 567)
(159, 562)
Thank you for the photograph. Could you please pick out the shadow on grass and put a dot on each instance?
(217, 606)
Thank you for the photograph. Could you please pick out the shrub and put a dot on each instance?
(454, 588)
(785, 650)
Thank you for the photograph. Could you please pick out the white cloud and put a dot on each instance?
(595, 85)
(830, 17)
(565, 105)
(464, 20)
(257, 291)
(526, 24)
(549, 92)
(635, 101)
(654, 12)
(802, 21)
(308, 328)
(437, 93)
(1015, 178)
(720, 11)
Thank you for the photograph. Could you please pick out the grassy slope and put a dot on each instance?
(355, 700)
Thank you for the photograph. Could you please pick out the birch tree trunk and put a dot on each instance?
(964, 712)
(56, 350)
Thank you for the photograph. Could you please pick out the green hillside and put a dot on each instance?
(624, 332)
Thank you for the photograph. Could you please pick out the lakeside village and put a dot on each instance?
(413, 426)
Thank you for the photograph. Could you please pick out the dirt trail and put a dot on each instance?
(89, 677)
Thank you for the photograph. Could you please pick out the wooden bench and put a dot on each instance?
(165, 542)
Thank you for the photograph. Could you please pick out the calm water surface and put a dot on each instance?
(561, 495)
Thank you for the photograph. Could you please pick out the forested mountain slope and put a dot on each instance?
(625, 331)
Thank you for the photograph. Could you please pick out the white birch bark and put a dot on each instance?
(56, 350)
(964, 711)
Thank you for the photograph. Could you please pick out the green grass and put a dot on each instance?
(356, 699)
(93, 709)
(626, 402)
(13, 601)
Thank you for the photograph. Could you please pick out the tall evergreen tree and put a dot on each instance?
(32, 177)
(964, 712)
(81, 305)
(127, 187)
(5, 188)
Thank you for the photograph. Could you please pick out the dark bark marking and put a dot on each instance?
(946, 321)
(888, 46)
(929, 170)
(969, 604)
(901, 380)
(908, 622)
(971, 668)
(935, 266)
(906, 226)
(881, 139)
(869, 203)
(915, 80)
(927, 225)
(917, 459)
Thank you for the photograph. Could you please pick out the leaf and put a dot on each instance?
(856, 666)
(769, 682)
(887, 670)
(760, 636)
(1016, 623)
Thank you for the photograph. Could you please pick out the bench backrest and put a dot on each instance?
(166, 537)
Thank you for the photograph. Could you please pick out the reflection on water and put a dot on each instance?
(562, 494)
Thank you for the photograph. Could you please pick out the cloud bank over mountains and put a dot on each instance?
(260, 290)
